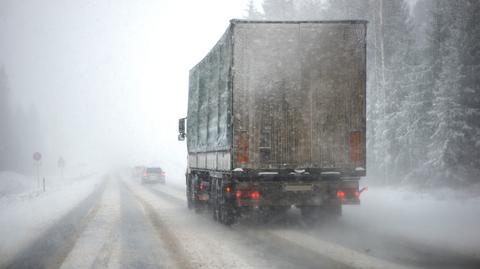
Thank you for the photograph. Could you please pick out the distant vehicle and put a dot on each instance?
(277, 118)
(137, 171)
(153, 175)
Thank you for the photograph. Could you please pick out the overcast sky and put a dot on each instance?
(109, 78)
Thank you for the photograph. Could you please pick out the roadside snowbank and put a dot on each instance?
(440, 219)
(14, 183)
(24, 216)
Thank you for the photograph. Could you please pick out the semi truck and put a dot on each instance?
(277, 119)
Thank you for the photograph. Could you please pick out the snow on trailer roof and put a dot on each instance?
(242, 21)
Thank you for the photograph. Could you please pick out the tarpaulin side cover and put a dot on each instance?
(209, 100)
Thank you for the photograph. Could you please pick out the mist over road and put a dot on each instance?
(126, 224)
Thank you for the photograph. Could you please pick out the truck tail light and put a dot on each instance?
(340, 195)
(254, 195)
(356, 146)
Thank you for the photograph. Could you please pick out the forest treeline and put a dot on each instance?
(423, 84)
(20, 133)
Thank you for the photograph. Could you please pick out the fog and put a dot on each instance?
(102, 84)
(108, 79)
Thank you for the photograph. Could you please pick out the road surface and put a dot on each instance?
(124, 224)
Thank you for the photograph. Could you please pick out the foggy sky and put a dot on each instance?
(109, 78)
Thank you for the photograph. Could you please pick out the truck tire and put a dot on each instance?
(189, 193)
(227, 213)
(222, 208)
(197, 205)
(215, 207)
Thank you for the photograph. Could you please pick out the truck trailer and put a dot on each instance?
(277, 119)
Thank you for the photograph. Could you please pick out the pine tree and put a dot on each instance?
(279, 9)
(449, 131)
(469, 153)
(252, 12)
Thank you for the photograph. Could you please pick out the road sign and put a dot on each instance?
(37, 156)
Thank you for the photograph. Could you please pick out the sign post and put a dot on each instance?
(37, 157)
(61, 165)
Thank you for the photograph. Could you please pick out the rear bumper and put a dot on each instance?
(298, 194)
(153, 179)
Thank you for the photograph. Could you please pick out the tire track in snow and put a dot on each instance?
(282, 253)
(294, 245)
(164, 232)
(52, 248)
(97, 244)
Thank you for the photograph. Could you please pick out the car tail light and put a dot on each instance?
(254, 195)
(357, 194)
(238, 194)
(340, 195)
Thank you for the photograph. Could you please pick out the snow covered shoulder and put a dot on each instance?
(26, 211)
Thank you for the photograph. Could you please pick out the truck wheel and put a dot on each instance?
(227, 214)
(189, 198)
(215, 210)
(194, 202)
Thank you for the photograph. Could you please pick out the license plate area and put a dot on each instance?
(298, 187)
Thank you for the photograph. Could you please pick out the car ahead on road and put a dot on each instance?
(153, 175)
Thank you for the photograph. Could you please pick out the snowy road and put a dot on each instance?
(123, 224)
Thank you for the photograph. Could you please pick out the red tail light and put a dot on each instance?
(340, 195)
(357, 194)
(254, 195)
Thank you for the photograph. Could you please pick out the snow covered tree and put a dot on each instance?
(279, 9)
(252, 12)
(454, 147)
